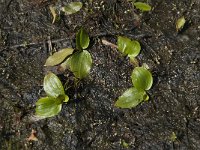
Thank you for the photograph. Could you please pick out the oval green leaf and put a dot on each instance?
(58, 57)
(48, 107)
(72, 8)
(180, 23)
(82, 39)
(53, 86)
(130, 98)
(142, 6)
(128, 47)
(142, 78)
(80, 64)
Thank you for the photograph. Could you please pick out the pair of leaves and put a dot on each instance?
(79, 62)
(69, 9)
(128, 47)
(51, 105)
(142, 80)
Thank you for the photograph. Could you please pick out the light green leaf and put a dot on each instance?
(180, 23)
(82, 39)
(58, 57)
(128, 47)
(48, 107)
(142, 78)
(72, 8)
(80, 64)
(53, 86)
(66, 99)
(130, 98)
(142, 6)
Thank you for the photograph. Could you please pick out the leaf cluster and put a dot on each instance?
(51, 104)
(79, 61)
(68, 9)
(142, 79)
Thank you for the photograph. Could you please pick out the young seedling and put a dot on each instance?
(142, 6)
(128, 47)
(79, 61)
(180, 23)
(142, 80)
(69, 9)
(51, 105)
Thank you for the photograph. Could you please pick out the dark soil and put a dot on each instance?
(90, 120)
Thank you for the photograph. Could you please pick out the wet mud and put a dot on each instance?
(90, 120)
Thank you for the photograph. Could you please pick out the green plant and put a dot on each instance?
(140, 5)
(72, 8)
(79, 60)
(180, 23)
(128, 47)
(142, 80)
(51, 104)
(69, 9)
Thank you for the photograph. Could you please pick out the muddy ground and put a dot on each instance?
(90, 120)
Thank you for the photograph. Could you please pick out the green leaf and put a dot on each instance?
(72, 8)
(53, 86)
(82, 39)
(66, 99)
(58, 57)
(180, 23)
(130, 98)
(80, 64)
(142, 6)
(128, 47)
(142, 78)
(48, 107)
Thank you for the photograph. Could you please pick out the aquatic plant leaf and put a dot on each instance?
(180, 23)
(130, 98)
(128, 47)
(82, 39)
(80, 63)
(142, 78)
(72, 8)
(142, 6)
(53, 12)
(48, 107)
(53, 86)
(58, 57)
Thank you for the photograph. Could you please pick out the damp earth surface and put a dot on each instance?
(169, 120)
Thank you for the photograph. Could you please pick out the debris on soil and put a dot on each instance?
(32, 137)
